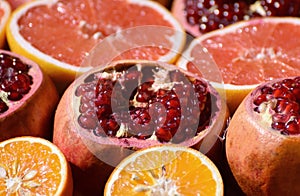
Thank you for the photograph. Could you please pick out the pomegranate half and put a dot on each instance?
(28, 98)
(263, 141)
(109, 112)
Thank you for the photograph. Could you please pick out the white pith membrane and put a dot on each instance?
(161, 184)
(35, 72)
(175, 46)
(20, 180)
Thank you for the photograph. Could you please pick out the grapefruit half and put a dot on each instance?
(60, 34)
(247, 53)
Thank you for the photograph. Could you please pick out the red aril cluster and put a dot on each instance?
(215, 14)
(135, 102)
(15, 81)
(282, 101)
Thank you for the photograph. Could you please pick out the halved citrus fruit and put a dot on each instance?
(60, 34)
(248, 53)
(165, 170)
(33, 166)
(5, 11)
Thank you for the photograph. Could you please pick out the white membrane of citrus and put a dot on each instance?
(54, 149)
(172, 152)
(176, 45)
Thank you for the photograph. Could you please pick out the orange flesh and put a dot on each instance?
(190, 179)
(19, 159)
(241, 60)
(65, 30)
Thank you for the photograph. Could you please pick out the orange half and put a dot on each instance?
(33, 166)
(165, 170)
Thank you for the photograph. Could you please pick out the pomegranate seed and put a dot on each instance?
(3, 106)
(15, 80)
(293, 128)
(87, 121)
(163, 135)
(144, 110)
(286, 93)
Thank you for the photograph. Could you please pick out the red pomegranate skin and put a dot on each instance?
(91, 173)
(262, 160)
(33, 115)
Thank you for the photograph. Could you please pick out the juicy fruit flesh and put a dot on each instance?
(28, 168)
(216, 14)
(146, 103)
(75, 27)
(15, 80)
(165, 172)
(258, 51)
(280, 103)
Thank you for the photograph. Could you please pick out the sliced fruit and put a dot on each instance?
(60, 34)
(247, 53)
(108, 112)
(16, 3)
(28, 98)
(263, 139)
(165, 170)
(5, 11)
(202, 16)
(33, 166)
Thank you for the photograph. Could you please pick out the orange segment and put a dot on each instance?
(248, 53)
(165, 170)
(33, 166)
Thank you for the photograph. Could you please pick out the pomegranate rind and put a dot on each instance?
(63, 73)
(33, 114)
(65, 188)
(82, 149)
(263, 161)
(5, 7)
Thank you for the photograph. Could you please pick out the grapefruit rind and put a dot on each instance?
(4, 5)
(63, 73)
(176, 149)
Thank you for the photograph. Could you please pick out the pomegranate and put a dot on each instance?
(201, 16)
(110, 111)
(263, 141)
(28, 98)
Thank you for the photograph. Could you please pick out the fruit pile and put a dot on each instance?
(182, 97)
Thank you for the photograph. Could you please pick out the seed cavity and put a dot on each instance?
(15, 81)
(144, 102)
(279, 105)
